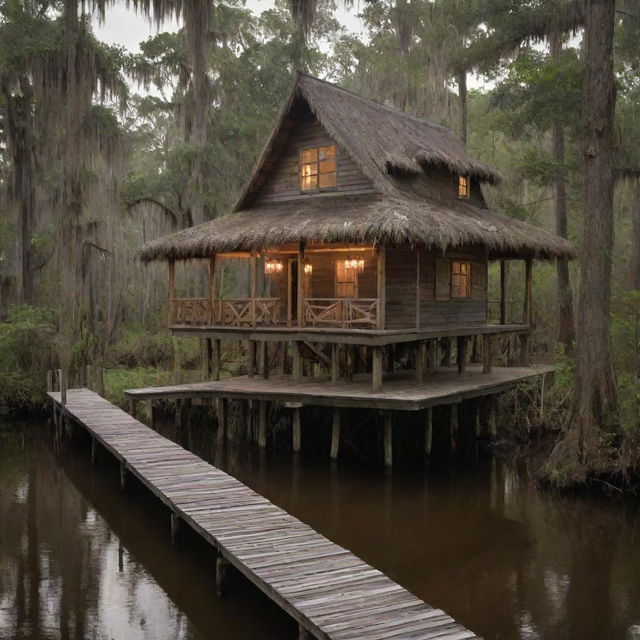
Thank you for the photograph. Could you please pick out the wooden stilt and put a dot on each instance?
(132, 406)
(462, 353)
(493, 428)
(478, 426)
(221, 414)
(524, 349)
(428, 432)
(221, 575)
(388, 439)
(177, 418)
(377, 369)
(445, 344)
(150, 412)
(421, 358)
(297, 430)
(176, 525)
(432, 355)
(503, 292)
(264, 360)
(453, 427)
(335, 434)
(487, 353)
(251, 359)
(216, 359)
(209, 350)
(62, 377)
(262, 424)
(335, 363)
(297, 363)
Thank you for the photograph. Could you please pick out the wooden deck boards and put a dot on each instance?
(327, 589)
(446, 386)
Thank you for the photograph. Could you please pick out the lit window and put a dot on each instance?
(460, 279)
(318, 168)
(463, 187)
(346, 280)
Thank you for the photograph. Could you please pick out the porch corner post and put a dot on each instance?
(526, 310)
(381, 287)
(503, 292)
(212, 289)
(300, 310)
(172, 272)
(254, 286)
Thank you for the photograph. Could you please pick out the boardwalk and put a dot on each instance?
(329, 591)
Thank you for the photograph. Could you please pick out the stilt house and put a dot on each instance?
(368, 242)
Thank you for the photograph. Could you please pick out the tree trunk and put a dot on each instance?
(594, 405)
(634, 258)
(462, 96)
(566, 330)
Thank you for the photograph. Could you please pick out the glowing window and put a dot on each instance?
(318, 168)
(460, 279)
(463, 187)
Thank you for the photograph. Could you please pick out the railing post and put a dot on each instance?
(212, 289)
(171, 292)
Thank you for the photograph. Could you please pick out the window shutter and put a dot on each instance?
(443, 279)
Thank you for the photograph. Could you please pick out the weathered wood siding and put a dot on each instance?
(284, 182)
(400, 287)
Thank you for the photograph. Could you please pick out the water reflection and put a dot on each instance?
(79, 559)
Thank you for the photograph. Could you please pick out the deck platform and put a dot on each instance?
(400, 393)
(329, 591)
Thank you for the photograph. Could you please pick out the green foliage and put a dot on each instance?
(116, 381)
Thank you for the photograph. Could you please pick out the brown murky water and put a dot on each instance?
(79, 559)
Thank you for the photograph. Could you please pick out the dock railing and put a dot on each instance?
(347, 313)
(235, 312)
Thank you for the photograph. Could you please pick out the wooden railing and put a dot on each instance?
(227, 312)
(348, 313)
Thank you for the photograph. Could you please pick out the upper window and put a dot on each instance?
(460, 279)
(463, 186)
(318, 168)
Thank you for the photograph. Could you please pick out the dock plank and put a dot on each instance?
(331, 592)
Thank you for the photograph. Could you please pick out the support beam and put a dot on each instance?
(462, 342)
(478, 424)
(251, 359)
(62, 379)
(445, 344)
(335, 363)
(528, 286)
(487, 353)
(381, 287)
(216, 359)
(387, 421)
(335, 434)
(503, 292)
(297, 430)
(377, 369)
(432, 355)
(418, 301)
(524, 349)
(254, 286)
(300, 300)
(428, 432)
(221, 415)
(212, 290)
(132, 406)
(421, 361)
(177, 418)
(171, 291)
(297, 363)
(262, 424)
(264, 360)
(149, 404)
(50, 381)
(453, 427)
(222, 566)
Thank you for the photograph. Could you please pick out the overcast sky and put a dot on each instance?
(125, 27)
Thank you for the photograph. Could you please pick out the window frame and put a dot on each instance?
(464, 187)
(460, 273)
(318, 173)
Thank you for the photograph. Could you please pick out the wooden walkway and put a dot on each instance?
(445, 386)
(329, 591)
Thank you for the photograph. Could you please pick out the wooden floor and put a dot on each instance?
(327, 589)
(446, 386)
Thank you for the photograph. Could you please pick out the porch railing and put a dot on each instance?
(228, 311)
(347, 313)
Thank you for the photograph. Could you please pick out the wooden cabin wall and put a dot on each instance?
(441, 313)
(323, 275)
(284, 182)
(400, 288)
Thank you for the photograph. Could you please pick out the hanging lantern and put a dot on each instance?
(273, 266)
(354, 264)
(308, 268)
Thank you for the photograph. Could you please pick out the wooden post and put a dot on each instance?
(335, 434)
(221, 575)
(493, 429)
(487, 353)
(62, 378)
(462, 354)
(212, 290)
(123, 476)
(453, 427)
(377, 369)
(478, 426)
(428, 432)
(172, 281)
(215, 359)
(528, 279)
(445, 361)
(132, 406)
(264, 360)
(524, 349)
(49, 381)
(335, 363)
(432, 355)
(418, 288)
(300, 310)
(297, 431)
(251, 359)
(420, 355)
(262, 424)
(221, 415)
(254, 286)
(177, 418)
(381, 287)
(150, 412)
(100, 388)
(176, 525)
(297, 363)
(88, 382)
(388, 439)
(503, 292)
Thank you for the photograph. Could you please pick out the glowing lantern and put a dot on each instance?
(273, 266)
(355, 264)
(308, 268)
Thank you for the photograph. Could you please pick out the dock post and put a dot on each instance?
(453, 427)
(216, 359)
(100, 382)
(487, 353)
(176, 525)
(388, 439)
(221, 575)
(377, 369)
(123, 476)
(335, 363)
(462, 353)
(524, 349)
(262, 424)
(221, 415)
(432, 355)
(303, 634)
(150, 411)
(251, 359)
(428, 432)
(297, 363)
(297, 431)
(177, 418)
(62, 377)
(446, 352)
(132, 406)
(335, 434)
(49, 380)
(420, 355)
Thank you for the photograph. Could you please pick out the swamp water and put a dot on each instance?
(79, 559)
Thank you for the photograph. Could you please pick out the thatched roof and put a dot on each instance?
(392, 149)
(361, 219)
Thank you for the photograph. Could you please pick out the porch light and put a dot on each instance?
(273, 266)
(355, 264)
(308, 268)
